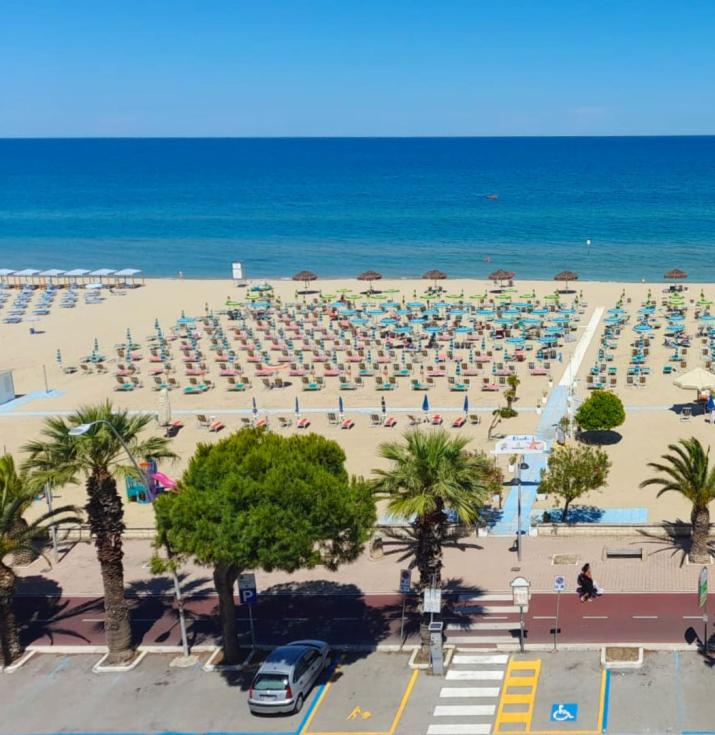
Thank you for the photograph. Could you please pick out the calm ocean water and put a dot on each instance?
(340, 206)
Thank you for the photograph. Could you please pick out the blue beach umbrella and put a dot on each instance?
(425, 404)
(254, 407)
(466, 404)
(297, 407)
(341, 407)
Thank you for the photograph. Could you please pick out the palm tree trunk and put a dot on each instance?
(106, 520)
(10, 648)
(224, 581)
(700, 519)
(430, 531)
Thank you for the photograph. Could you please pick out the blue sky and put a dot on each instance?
(356, 67)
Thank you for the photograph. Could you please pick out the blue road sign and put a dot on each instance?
(564, 712)
(247, 589)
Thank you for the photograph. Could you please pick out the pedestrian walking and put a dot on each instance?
(710, 407)
(585, 585)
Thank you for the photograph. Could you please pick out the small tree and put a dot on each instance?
(601, 411)
(16, 536)
(687, 471)
(572, 471)
(257, 500)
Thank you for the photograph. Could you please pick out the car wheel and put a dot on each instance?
(298, 704)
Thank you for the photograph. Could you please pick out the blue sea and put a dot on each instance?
(340, 206)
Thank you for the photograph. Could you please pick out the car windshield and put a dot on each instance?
(270, 681)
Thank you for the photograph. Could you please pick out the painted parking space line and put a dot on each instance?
(305, 729)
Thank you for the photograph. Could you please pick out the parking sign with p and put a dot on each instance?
(247, 589)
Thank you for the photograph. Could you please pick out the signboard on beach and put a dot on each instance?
(237, 270)
(520, 444)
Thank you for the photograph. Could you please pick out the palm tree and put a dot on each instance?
(430, 473)
(687, 471)
(18, 536)
(96, 456)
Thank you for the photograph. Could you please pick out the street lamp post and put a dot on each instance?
(82, 429)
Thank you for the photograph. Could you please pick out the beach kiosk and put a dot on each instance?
(7, 386)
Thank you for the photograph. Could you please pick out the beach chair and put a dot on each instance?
(345, 384)
(245, 423)
(459, 422)
(347, 424)
(414, 421)
(436, 420)
(284, 422)
(474, 419)
(86, 369)
(389, 422)
(686, 414)
(333, 419)
(122, 386)
(233, 386)
(203, 421)
(267, 383)
(375, 419)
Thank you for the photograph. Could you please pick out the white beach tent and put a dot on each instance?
(51, 273)
(4, 273)
(126, 273)
(75, 274)
(27, 275)
(101, 273)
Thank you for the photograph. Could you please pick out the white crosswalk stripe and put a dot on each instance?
(468, 705)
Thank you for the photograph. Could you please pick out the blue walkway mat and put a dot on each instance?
(22, 400)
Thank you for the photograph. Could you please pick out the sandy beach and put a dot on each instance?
(650, 426)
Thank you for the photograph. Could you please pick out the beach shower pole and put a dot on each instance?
(53, 530)
(44, 373)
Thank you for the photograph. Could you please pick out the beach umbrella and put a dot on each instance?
(58, 358)
(341, 407)
(96, 345)
(305, 277)
(425, 404)
(297, 407)
(500, 276)
(434, 275)
(164, 407)
(566, 276)
(466, 404)
(370, 277)
(254, 408)
(697, 379)
(383, 405)
(675, 275)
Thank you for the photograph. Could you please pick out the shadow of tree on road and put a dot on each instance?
(42, 618)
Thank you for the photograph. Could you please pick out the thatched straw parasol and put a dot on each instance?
(501, 276)
(675, 275)
(305, 276)
(370, 277)
(566, 276)
(435, 276)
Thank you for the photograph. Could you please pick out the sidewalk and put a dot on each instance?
(478, 565)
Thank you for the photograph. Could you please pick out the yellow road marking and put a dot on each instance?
(403, 702)
(512, 680)
(395, 722)
(597, 731)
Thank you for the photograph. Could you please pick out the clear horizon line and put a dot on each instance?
(355, 137)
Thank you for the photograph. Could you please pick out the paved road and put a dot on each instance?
(370, 619)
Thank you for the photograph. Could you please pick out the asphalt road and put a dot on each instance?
(356, 619)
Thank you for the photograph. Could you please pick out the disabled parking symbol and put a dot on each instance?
(564, 712)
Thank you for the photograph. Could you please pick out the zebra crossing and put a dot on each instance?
(468, 702)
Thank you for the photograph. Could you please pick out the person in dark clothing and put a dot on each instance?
(586, 586)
